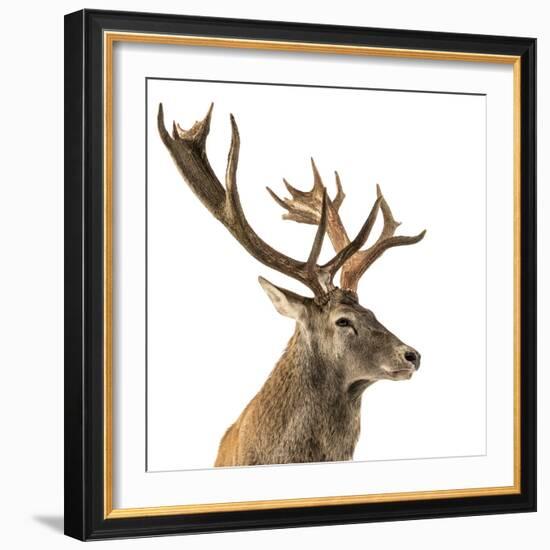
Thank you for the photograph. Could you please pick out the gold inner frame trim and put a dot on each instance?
(109, 39)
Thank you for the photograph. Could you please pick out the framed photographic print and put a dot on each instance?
(300, 274)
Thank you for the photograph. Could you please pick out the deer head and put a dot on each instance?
(346, 337)
(342, 334)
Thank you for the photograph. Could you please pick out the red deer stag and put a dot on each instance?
(308, 410)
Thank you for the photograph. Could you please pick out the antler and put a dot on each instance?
(304, 207)
(188, 150)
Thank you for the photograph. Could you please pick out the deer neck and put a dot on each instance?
(302, 361)
(302, 365)
(313, 398)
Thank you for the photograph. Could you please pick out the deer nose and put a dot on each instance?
(413, 357)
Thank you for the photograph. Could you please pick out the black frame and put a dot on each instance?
(84, 275)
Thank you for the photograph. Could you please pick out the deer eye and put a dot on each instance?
(343, 322)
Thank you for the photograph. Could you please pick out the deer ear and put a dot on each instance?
(287, 303)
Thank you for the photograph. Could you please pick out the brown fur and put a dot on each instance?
(299, 415)
(308, 410)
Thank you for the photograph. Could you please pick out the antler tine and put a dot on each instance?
(367, 257)
(352, 248)
(293, 191)
(233, 203)
(278, 200)
(198, 133)
(319, 237)
(390, 225)
(318, 185)
(340, 195)
(356, 267)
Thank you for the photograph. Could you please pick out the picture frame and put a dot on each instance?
(90, 256)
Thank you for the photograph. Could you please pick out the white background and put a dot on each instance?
(213, 336)
(31, 295)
